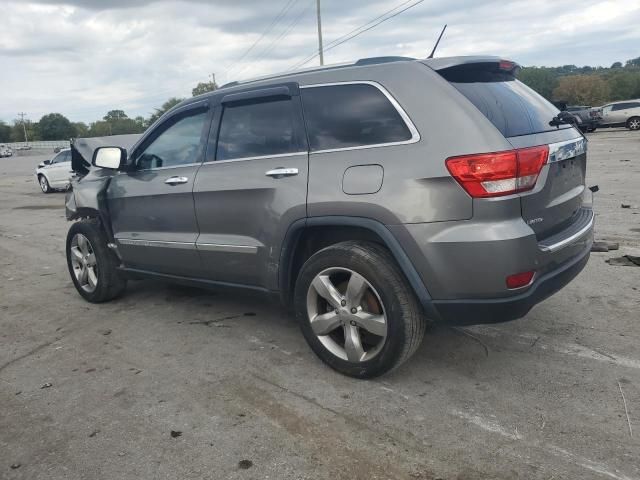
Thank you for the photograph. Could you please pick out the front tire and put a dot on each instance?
(633, 123)
(356, 310)
(92, 265)
(44, 184)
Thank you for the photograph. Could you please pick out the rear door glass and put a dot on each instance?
(259, 128)
(511, 106)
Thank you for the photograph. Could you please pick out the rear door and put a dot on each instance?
(151, 206)
(253, 185)
(523, 117)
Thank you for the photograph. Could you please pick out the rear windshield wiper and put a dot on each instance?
(563, 118)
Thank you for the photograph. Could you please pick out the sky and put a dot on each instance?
(82, 58)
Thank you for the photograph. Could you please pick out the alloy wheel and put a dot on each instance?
(634, 124)
(83, 260)
(43, 184)
(346, 314)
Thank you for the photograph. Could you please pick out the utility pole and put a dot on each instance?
(22, 114)
(320, 52)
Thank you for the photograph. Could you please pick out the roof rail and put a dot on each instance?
(379, 60)
(359, 63)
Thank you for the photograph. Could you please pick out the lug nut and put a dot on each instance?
(354, 310)
(353, 323)
(343, 302)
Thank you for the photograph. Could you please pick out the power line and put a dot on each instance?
(360, 30)
(282, 35)
(287, 6)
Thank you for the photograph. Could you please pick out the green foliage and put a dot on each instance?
(204, 87)
(585, 85)
(17, 131)
(5, 132)
(55, 126)
(116, 122)
(166, 106)
(81, 129)
(542, 80)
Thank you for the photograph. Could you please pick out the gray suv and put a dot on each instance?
(371, 198)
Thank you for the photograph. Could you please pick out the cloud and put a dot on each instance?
(84, 57)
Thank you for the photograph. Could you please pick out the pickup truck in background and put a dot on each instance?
(587, 117)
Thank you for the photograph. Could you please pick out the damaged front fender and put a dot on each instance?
(87, 198)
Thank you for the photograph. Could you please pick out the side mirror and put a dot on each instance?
(109, 157)
(47, 162)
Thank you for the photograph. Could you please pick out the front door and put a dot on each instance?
(151, 205)
(253, 186)
(59, 170)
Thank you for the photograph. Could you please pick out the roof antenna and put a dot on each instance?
(437, 41)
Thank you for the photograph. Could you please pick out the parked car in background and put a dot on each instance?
(621, 114)
(409, 191)
(587, 117)
(56, 173)
(5, 151)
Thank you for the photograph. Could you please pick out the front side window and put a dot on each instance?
(620, 106)
(62, 157)
(256, 129)
(177, 145)
(351, 115)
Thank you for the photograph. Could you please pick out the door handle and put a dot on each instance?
(282, 172)
(176, 180)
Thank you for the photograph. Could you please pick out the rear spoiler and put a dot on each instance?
(497, 64)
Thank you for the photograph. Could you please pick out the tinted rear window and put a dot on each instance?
(352, 115)
(259, 129)
(509, 104)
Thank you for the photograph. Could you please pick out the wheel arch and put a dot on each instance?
(307, 236)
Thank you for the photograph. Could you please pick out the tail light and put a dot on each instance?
(500, 173)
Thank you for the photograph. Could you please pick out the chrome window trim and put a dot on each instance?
(568, 149)
(260, 157)
(415, 134)
(156, 243)
(217, 247)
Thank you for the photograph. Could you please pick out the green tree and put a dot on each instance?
(81, 129)
(114, 116)
(616, 65)
(99, 129)
(582, 90)
(624, 85)
(5, 132)
(17, 131)
(634, 62)
(543, 80)
(205, 87)
(166, 106)
(55, 126)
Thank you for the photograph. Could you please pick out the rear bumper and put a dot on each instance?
(495, 310)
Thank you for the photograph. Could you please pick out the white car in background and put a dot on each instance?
(5, 151)
(56, 173)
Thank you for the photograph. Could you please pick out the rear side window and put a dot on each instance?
(257, 129)
(509, 104)
(351, 115)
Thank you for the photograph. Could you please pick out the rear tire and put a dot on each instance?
(372, 323)
(92, 265)
(633, 123)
